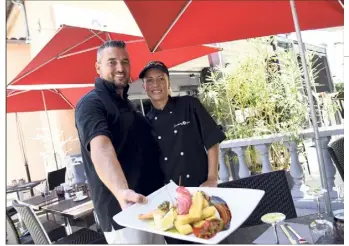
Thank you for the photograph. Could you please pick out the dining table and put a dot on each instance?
(22, 187)
(247, 235)
(69, 209)
(38, 201)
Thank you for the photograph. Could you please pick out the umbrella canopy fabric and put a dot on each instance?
(70, 56)
(172, 24)
(40, 100)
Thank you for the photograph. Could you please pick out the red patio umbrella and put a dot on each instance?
(41, 100)
(70, 56)
(179, 23)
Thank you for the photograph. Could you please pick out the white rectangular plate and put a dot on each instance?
(241, 202)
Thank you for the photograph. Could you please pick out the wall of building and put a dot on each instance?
(18, 56)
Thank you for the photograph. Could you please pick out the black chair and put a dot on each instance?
(336, 151)
(84, 236)
(56, 178)
(85, 221)
(277, 197)
(40, 236)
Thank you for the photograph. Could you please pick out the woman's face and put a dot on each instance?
(156, 84)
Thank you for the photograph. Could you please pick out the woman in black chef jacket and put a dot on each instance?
(187, 135)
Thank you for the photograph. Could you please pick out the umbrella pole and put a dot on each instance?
(20, 135)
(49, 127)
(312, 109)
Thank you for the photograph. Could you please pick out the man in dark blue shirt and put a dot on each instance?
(119, 153)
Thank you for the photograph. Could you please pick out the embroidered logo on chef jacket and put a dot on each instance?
(183, 123)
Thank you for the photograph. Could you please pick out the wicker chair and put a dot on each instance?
(336, 151)
(54, 230)
(40, 236)
(12, 236)
(277, 197)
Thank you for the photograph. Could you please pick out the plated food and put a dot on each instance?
(197, 213)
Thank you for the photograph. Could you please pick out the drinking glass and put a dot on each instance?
(340, 192)
(273, 219)
(70, 177)
(60, 192)
(44, 190)
(319, 227)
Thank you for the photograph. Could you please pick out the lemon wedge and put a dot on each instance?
(158, 215)
(164, 223)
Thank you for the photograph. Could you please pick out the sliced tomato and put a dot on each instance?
(196, 231)
(209, 229)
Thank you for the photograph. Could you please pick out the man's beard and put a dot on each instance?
(119, 85)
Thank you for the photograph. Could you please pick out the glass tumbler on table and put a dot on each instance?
(340, 192)
(45, 192)
(60, 192)
(320, 227)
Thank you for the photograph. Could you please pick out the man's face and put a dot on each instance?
(114, 66)
(156, 83)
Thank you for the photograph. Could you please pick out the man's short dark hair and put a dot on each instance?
(110, 44)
